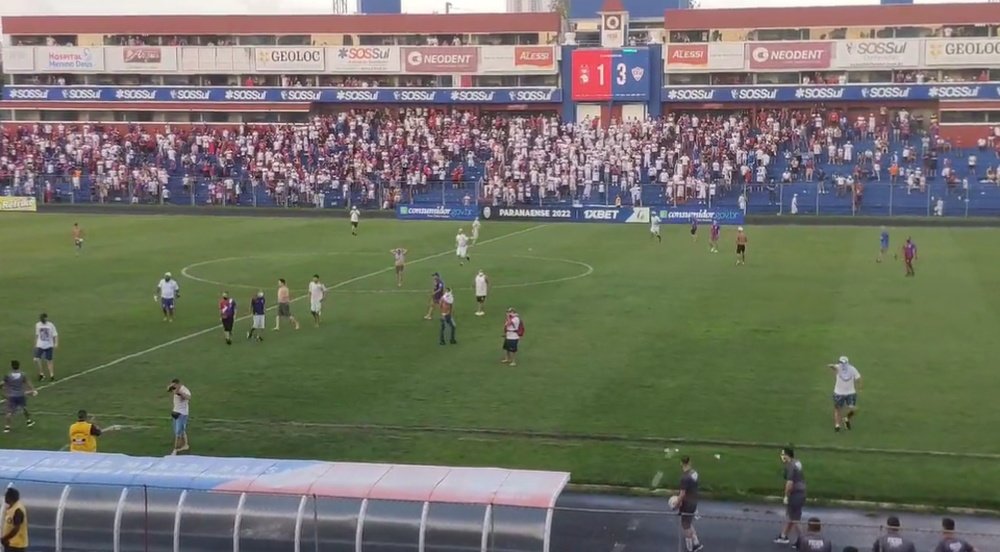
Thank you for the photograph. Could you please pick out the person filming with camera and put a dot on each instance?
(181, 408)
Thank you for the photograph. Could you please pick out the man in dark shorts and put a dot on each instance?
(813, 540)
(15, 523)
(892, 540)
(794, 493)
(16, 388)
(687, 505)
(513, 330)
(284, 305)
(741, 246)
(227, 312)
(437, 292)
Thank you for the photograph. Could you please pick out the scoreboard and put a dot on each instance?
(604, 74)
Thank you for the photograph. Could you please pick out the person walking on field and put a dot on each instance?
(513, 331)
(179, 413)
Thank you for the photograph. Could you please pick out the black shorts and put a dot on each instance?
(741, 249)
(510, 345)
(480, 298)
(227, 324)
(694, 231)
(793, 510)
(687, 512)
(354, 224)
(284, 309)
(16, 403)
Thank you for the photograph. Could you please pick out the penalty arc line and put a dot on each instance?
(199, 333)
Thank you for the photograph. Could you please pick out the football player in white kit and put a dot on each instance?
(317, 293)
(845, 392)
(475, 230)
(654, 228)
(355, 218)
(482, 289)
(462, 247)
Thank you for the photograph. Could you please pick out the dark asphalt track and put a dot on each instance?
(604, 523)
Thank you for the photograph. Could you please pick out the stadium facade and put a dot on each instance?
(942, 61)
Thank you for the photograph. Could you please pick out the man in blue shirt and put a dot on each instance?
(883, 245)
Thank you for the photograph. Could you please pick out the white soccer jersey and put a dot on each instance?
(168, 288)
(847, 376)
(45, 335)
(355, 215)
(482, 285)
(654, 223)
(475, 228)
(316, 291)
(461, 240)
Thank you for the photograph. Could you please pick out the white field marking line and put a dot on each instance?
(514, 434)
(587, 271)
(186, 271)
(199, 333)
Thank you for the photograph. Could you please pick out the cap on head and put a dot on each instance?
(948, 524)
(815, 525)
(260, 293)
(893, 522)
(739, 228)
(843, 360)
(167, 275)
(225, 294)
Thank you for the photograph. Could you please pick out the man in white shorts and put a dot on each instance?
(845, 392)
(462, 247)
(317, 293)
(258, 307)
(482, 288)
(654, 228)
(475, 230)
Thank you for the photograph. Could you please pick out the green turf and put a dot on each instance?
(638, 340)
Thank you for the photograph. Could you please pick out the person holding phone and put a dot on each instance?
(181, 408)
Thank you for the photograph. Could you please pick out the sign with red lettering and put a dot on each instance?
(440, 60)
(144, 54)
(535, 56)
(591, 74)
(686, 56)
(789, 56)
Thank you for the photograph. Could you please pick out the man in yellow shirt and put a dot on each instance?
(83, 434)
(15, 523)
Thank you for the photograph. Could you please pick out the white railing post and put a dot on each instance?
(298, 522)
(119, 511)
(177, 521)
(360, 533)
(60, 511)
(487, 522)
(422, 535)
(237, 521)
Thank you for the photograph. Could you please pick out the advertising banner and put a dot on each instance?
(69, 59)
(18, 204)
(820, 93)
(683, 215)
(440, 60)
(606, 74)
(216, 59)
(726, 56)
(898, 53)
(415, 212)
(289, 59)
(517, 59)
(962, 52)
(789, 56)
(366, 60)
(687, 56)
(493, 96)
(622, 215)
(19, 59)
(141, 59)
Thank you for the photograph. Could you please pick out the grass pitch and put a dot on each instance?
(632, 347)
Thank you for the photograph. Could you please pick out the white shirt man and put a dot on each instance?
(475, 230)
(179, 412)
(46, 340)
(845, 392)
(355, 218)
(317, 293)
(462, 247)
(654, 227)
(482, 289)
(512, 336)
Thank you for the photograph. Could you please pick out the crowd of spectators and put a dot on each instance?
(381, 157)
